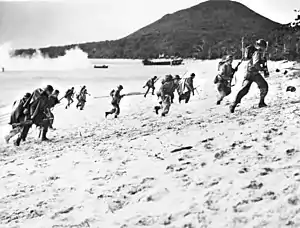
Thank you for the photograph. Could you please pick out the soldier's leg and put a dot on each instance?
(22, 135)
(153, 89)
(172, 97)
(148, 88)
(82, 105)
(112, 111)
(51, 120)
(188, 96)
(117, 112)
(12, 133)
(244, 90)
(158, 107)
(45, 125)
(166, 107)
(263, 87)
(25, 132)
(221, 90)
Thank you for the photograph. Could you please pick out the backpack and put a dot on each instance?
(112, 93)
(249, 51)
(68, 93)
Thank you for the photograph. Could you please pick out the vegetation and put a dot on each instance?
(206, 31)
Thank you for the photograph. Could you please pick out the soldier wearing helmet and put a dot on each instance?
(188, 85)
(116, 98)
(224, 77)
(150, 84)
(256, 65)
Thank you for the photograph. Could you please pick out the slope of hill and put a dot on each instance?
(207, 30)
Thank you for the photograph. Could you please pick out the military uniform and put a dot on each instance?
(19, 115)
(116, 99)
(38, 111)
(69, 96)
(82, 99)
(150, 84)
(189, 85)
(255, 65)
(224, 78)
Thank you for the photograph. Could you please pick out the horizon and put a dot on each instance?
(57, 22)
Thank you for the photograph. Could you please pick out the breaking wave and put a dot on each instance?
(73, 59)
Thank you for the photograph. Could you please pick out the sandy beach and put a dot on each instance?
(237, 170)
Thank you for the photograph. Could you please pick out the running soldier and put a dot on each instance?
(256, 64)
(150, 84)
(116, 99)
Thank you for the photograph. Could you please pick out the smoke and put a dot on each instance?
(73, 59)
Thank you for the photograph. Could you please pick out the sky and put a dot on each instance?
(58, 22)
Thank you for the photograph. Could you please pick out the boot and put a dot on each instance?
(156, 108)
(218, 102)
(232, 108)
(17, 142)
(262, 104)
(106, 114)
(44, 133)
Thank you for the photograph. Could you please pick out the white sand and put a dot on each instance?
(242, 171)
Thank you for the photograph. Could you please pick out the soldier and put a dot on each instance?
(53, 100)
(224, 78)
(82, 98)
(116, 98)
(189, 85)
(166, 93)
(69, 96)
(38, 111)
(18, 116)
(167, 87)
(256, 64)
(177, 80)
(150, 84)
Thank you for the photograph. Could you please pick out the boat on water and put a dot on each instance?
(103, 66)
(163, 62)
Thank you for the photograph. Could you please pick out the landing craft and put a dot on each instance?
(163, 62)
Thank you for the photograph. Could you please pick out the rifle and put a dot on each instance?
(126, 94)
(235, 70)
(22, 124)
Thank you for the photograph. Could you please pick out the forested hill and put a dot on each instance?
(205, 31)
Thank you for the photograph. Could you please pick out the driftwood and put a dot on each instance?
(181, 148)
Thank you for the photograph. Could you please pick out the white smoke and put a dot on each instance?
(73, 59)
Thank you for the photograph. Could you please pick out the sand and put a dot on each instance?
(242, 169)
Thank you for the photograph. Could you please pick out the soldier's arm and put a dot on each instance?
(257, 61)
(36, 110)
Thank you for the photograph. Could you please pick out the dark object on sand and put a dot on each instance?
(103, 66)
(285, 72)
(182, 148)
(277, 70)
(290, 89)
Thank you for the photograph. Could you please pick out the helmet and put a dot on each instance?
(49, 88)
(228, 58)
(27, 95)
(177, 77)
(193, 75)
(261, 43)
(56, 91)
(120, 87)
(155, 77)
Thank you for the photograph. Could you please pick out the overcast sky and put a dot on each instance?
(57, 22)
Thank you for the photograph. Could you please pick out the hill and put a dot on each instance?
(207, 30)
